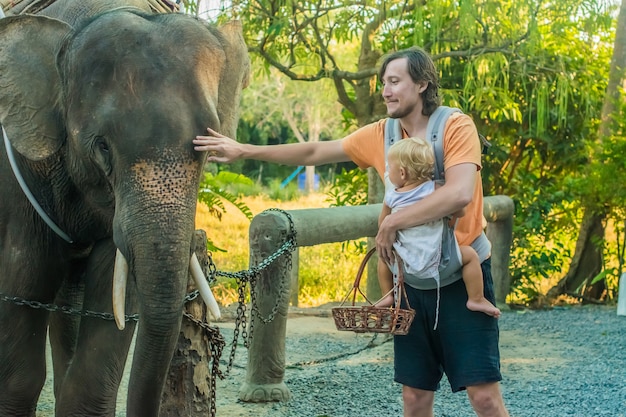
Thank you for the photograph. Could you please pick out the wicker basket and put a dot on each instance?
(370, 319)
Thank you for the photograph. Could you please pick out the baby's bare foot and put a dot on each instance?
(484, 306)
(386, 301)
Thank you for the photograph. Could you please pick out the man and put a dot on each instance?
(465, 343)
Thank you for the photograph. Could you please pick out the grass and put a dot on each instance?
(326, 272)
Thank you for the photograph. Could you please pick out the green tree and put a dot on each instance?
(532, 75)
(309, 110)
(599, 201)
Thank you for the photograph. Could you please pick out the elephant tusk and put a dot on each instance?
(120, 274)
(203, 287)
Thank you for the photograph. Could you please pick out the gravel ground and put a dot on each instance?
(568, 361)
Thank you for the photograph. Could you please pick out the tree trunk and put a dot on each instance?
(315, 130)
(587, 260)
(187, 390)
(617, 73)
(309, 182)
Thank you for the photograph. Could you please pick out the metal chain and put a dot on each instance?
(216, 347)
(289, 245)
(242, 277)
(250, 276)
(63, 309)
(216, 340)
(240, 323)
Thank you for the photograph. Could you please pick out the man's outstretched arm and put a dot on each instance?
(225, 150)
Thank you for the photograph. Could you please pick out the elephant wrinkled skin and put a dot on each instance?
(100, 101)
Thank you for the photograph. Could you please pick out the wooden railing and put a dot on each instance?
(273, 287)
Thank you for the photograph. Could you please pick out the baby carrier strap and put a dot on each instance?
(435, 131)
(450, 264)
(393, 133)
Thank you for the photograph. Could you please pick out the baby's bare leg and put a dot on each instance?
(473, 278)
(385, 280)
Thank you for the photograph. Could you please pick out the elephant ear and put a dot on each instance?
(30, 87)
(234, 78)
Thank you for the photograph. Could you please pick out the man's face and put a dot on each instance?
(401, 94)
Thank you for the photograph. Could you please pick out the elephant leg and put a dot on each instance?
(23, 329)
(94, 374)
(63, 330)
(23, 365)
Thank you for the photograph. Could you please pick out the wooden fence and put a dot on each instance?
(273, 288)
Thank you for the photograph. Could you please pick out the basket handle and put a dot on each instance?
(400, 285)
(359, 274)
(355, 290)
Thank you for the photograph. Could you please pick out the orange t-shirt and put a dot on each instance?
(460, 145)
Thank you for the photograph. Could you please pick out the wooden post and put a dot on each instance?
(266, 354)
(375, 195)
(621, 297)
(187, 390)
(498, 210)
(295, 282)
(269, 231)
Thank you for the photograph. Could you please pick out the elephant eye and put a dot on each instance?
(102, 155)
(102, 145)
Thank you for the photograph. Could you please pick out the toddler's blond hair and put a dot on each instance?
(416, 156)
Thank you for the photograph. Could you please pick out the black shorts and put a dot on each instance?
(464, 345)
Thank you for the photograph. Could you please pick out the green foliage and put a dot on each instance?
(604, 178)
(532, 75)
(277, 192)
(613, 258)
(213, 194)
(544, 234)
(604, 184)
(534, 259)
(348, 189)
(619, 254)
(236, 184)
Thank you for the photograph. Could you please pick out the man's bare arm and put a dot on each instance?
(225, 150)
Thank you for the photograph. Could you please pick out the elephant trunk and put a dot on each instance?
(153, 228)
(161, 281)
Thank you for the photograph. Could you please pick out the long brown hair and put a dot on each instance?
(421, 69)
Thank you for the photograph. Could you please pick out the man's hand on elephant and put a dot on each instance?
(384, 241)
(219, 147)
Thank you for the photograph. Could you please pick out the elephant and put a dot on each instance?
(99, 103)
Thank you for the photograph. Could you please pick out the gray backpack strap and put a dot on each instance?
(435, 132)
(393, 133)
(450, 264)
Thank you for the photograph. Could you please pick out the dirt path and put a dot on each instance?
(566, 362)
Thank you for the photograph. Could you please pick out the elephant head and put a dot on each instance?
(99, 113)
